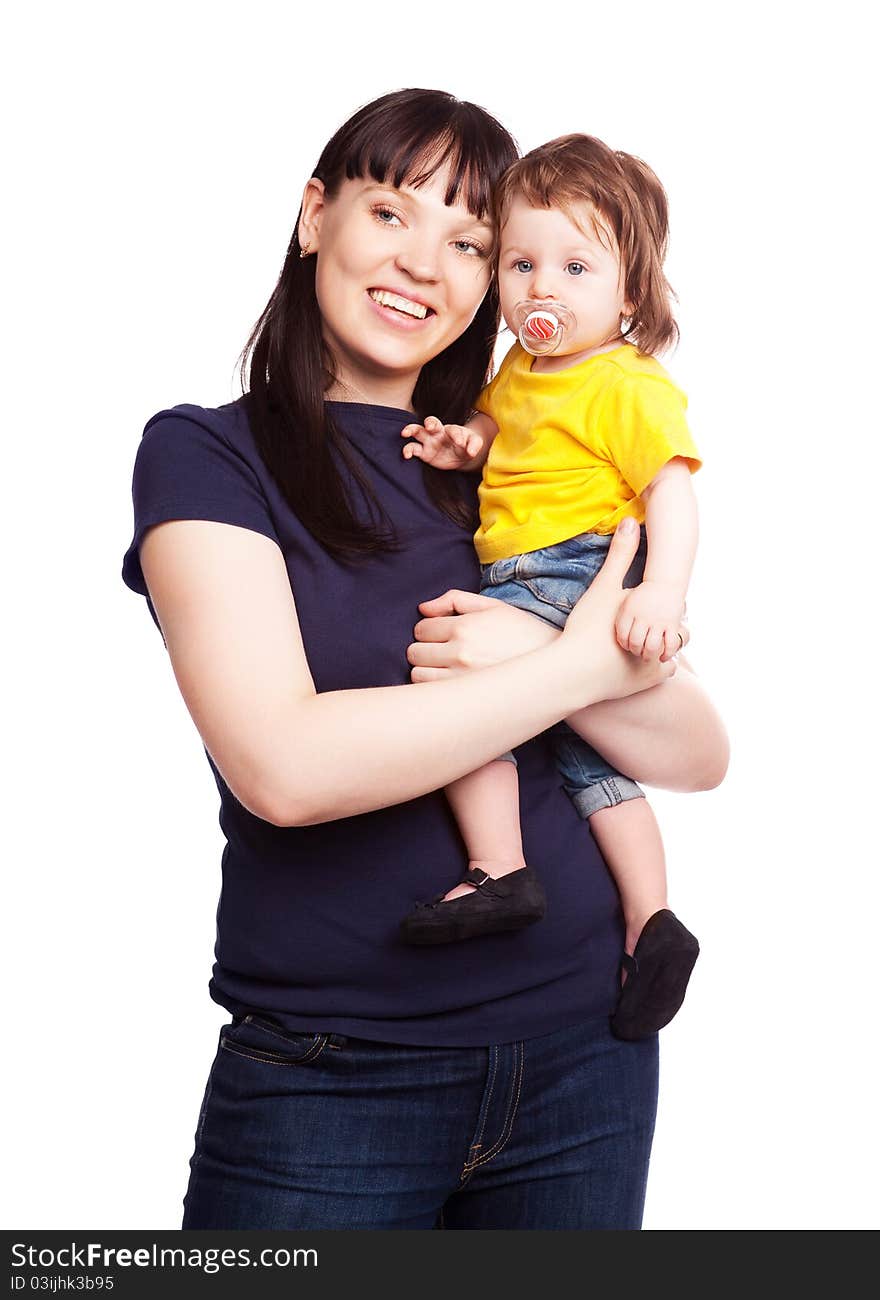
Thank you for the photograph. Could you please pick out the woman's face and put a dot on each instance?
(399, 277)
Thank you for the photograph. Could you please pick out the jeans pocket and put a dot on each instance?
(261, 1039)
(559, 592)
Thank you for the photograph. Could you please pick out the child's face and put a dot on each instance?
(545, 256)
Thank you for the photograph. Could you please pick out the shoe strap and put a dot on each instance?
(475, 876)
(630, 965)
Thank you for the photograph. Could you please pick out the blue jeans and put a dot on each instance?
(548, 583)
(314, 1130)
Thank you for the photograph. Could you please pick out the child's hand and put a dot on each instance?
(445, 446)
(648, 621)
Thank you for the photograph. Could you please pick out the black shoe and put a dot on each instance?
(508, 903)
(657, 977)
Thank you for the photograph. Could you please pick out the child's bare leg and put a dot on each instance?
(629, 839)
(486, 806)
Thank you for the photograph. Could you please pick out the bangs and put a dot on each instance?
(401, 151)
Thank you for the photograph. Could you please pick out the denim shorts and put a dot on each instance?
(548, 583)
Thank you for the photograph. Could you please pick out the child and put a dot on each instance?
(572, 441)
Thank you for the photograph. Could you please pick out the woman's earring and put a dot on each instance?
(304, 252)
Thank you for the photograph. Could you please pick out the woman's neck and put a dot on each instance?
(372, 390)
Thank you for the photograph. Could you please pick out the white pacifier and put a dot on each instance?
(541, 326)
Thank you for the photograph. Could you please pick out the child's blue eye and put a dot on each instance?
(575, 268)
(522, 265)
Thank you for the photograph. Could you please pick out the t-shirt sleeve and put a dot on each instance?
(486, 401)
(642, 425)
(186, 469)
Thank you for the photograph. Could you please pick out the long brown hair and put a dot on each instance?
(624, 193)
(402, 138)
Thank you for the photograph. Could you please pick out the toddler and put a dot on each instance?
(580, 428)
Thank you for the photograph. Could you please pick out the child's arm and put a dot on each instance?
(647, 624)
(451, 446)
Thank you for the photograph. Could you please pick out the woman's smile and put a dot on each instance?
(399, 308)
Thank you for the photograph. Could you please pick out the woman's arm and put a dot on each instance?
(671, 737)
(223, 599)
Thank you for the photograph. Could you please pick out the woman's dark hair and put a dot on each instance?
(402, 138)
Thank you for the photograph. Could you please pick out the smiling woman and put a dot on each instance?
(399, 201)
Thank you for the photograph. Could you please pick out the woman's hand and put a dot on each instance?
(462, 631)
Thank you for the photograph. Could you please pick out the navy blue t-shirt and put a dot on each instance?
(308, 916)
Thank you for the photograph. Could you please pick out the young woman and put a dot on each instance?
(284, 546)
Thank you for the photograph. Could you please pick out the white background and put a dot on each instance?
(157, 160)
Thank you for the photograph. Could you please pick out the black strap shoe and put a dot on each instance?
(657, 976)
(508, 903)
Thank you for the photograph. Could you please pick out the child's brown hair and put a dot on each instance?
(630, 204)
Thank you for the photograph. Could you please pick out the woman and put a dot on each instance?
(284, 545)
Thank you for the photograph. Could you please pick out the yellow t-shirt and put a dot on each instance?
(575, 447)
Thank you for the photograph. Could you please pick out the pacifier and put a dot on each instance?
(541, 326)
